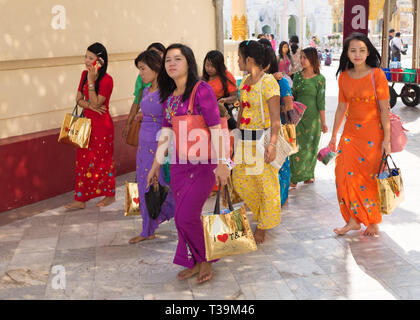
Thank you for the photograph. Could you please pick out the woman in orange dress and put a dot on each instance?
(366, 134)
(222, 82)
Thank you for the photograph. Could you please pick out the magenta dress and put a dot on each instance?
(191, 184)
(150, 126)
(284, 66)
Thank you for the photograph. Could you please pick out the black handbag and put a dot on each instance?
(155, 198)
(232, 123)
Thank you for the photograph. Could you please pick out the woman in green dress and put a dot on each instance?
(308, 88)
(139, 87)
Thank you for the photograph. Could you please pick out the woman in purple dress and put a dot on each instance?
(191, 184)
(149, 63)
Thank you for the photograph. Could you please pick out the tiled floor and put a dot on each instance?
(301, 259)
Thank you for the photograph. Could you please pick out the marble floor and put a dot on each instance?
(301, 259)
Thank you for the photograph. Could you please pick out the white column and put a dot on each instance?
(385, 28)
(301, 26)
(285, 22)
(416, 35)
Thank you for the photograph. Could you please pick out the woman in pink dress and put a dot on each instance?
(285, 60)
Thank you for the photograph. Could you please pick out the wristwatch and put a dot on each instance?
(230, 164)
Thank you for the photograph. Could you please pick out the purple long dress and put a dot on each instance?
(191, 184)
(152, 123)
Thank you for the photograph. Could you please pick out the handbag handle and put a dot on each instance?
(374, 89)
(140, 97)
(261, 101)
(217, 205)
(385, 162)
(192, 98)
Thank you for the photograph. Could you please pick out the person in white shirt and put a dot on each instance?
(396, 45)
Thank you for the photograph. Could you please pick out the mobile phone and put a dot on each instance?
(100, 62)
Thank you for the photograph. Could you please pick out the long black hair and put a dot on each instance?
(312, 55)
(373, 60)
(255, 50)
(271, 56)
(152, 59)
(217, 60)
(167, 85)
(281, 51)
(99, 50)
(294, 43)
(158, 46)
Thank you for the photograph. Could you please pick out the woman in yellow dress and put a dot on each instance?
(254, 178)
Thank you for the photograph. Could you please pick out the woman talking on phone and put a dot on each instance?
(95, 171)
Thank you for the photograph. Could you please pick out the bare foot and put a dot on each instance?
(105, 202)
(76, 205)
(188, 273)
(309, 181)
(140, 238)
(371, 230)
(351, 225)
(205, 273)
(285, 202)
(259, 236)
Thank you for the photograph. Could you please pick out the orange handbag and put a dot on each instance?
(193, 137)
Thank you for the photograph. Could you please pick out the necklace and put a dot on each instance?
(172, 105)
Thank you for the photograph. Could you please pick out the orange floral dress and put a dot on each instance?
(360, 149)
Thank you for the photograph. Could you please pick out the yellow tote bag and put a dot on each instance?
(390, 187)
(227, 234)
(75, 129)
(132, 200)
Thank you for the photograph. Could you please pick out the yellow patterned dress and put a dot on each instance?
(257, 182)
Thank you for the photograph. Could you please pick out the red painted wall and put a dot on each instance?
(35, 166)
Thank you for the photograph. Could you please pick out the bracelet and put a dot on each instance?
(273, 145)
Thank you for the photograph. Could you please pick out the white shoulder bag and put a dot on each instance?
(283, 148)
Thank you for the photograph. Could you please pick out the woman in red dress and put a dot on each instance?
(95, 171)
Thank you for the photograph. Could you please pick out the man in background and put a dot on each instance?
(391, 34)
(396, 45)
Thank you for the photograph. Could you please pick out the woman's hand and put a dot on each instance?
(139, 116)
(386, 147)
(101, 109)
(270, 153)
(324, 128)
(92, 73)
(332, 144)
(153, 176)
(125, 130)
(222, 174)
(278, 76)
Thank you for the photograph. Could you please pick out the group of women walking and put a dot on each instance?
(167, 79)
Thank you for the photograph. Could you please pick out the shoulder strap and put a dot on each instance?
(374, 88)
(192, 97)
(261, 100)
(140, 97)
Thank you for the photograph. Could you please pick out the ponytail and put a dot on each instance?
(255, 50)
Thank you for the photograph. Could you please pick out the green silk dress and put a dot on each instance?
(310, 92)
